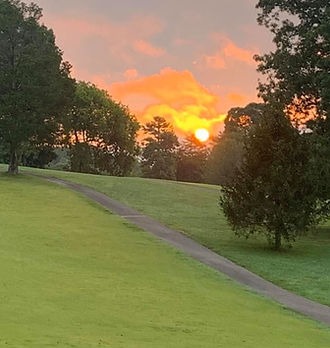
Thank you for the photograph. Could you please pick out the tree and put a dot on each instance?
(191, 160)
(38, 157)
(298, 73)
(159, 150)
(35, 85)
(226, 155)
(273, 190)
(242, 118)
(100, 133)
(298, 69)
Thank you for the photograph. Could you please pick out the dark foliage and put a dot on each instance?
(273, 191)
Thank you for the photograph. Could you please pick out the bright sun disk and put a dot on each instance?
(202, 134)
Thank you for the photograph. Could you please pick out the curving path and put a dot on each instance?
(289, 300)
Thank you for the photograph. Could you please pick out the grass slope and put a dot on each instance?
(73, 275)
(193, 209)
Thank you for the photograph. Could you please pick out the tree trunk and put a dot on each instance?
(13, 163)
(278, 240)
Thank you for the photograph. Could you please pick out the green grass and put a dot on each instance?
(73, 275)
(193, 209)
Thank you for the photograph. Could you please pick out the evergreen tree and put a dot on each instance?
(273, 190)
(159, 150)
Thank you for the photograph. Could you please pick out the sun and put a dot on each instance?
(202, 134)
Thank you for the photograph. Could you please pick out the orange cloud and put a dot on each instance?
(240, 54)
(227, 53)
(238, 99)
(104, 51)
(148, 49)
(175, 95)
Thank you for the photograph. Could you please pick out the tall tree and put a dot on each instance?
(273, 191)
(100, 133)
(298, 69)
(159, 150)
(298, 72)
(277, 190)
(34, 81)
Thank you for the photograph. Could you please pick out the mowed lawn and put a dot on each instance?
(193, 209)
(73, 275)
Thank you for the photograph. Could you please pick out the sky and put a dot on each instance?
(189, 61)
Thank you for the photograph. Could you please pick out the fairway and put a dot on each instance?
(73, 275)
(193, 209)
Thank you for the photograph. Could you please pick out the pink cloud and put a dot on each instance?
(131, 74)
(148, 49)
(227, 53)
(179, 42)
(139, 26)
(116, 39)
(215, 62)
(243, 55)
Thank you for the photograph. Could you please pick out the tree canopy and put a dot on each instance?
(35, 86)
(298, 69)
(100, 133)
(281, 188)
(273, 192)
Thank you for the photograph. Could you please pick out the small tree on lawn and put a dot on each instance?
(273, 192)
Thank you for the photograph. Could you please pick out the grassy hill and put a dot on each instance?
(74, 275)
(193, 209)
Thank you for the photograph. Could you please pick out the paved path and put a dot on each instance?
(289, 300)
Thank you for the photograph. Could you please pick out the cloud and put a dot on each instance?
(131, 74)
(240, 54)
(131, 49)
(134, 27)
(215, 62)
(175, 95)
(146, 48)
(227, 54)
(107, 42)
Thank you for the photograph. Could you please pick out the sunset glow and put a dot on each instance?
(202, 134)
(147, 58)
(175, 95)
